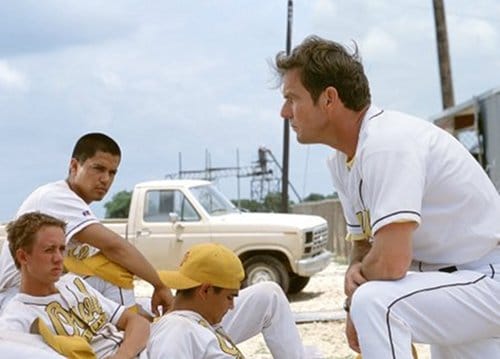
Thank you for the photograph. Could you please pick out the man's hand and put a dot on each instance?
(162, 297)
(352, 336)
(353, 279)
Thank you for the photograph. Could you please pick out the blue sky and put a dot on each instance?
(169, 77)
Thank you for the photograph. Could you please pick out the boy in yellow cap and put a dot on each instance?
(207, 283)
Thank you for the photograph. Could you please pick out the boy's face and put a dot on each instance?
(44, 263)
(92, 179)
(218, 304)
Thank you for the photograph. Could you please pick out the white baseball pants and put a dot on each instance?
(457, 313)
(263, 307)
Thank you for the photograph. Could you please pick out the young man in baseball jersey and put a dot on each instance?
(73, 318)
(108, 262)
(422, 215)
(207, 283)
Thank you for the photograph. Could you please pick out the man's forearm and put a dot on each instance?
(391, 253)
(136, 336)
(134, 261)
(120, 251)
(375, 268)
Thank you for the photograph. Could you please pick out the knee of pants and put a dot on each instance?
(371, 299)
(267, 291)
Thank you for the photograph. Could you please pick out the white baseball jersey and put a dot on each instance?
(186, 334)
(58, 200)
(77, 309)
(407, 169)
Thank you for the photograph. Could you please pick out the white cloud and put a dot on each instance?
(232, 111)
(323, 13)
(11, 78)
(378, 44)
(470, 35)
(111, 80)
(325, 8)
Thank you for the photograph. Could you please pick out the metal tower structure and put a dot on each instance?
(265, 174)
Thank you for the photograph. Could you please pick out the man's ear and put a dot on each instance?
(73, 166)
(330, 96)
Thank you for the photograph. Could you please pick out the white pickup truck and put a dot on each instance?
(167, 217)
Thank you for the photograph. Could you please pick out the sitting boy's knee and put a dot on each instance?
(265, 291)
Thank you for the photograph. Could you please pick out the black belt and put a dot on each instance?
(449, 269)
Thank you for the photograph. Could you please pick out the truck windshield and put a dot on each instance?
(214, 202)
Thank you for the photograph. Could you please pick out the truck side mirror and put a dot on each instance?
(173, 217)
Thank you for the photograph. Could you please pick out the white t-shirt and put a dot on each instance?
(77, 309)
(407, 169)
(58, 200)
(186, 334)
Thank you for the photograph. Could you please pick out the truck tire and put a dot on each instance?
(264, 267)
(297, 283)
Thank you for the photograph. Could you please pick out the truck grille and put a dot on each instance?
(315, 241)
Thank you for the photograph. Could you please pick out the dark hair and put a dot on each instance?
(21, 232)
(87, 146)
(324, 63)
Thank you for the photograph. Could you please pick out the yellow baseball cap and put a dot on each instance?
(209, 263)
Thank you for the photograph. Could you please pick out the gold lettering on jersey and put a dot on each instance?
(84, 319)
(89, 309)
(62, 320)
(225, 342)
(80, 252)
(365, 223)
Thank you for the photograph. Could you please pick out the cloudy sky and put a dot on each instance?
(172, 76)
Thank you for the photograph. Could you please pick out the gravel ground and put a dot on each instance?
(324, 292)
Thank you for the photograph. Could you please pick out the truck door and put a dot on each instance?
(169, 226)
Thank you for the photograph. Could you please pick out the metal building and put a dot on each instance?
(476, 124)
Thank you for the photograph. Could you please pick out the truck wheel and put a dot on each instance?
(263, 268)
(297, 283)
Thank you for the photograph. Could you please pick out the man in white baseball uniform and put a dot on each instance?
(422, 215)
(108, 262)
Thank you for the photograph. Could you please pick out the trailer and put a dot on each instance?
(476, 124)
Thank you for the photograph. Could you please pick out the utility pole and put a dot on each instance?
(443, 54)
(286, 125)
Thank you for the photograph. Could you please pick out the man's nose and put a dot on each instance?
(105, 177)
(285, 113)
